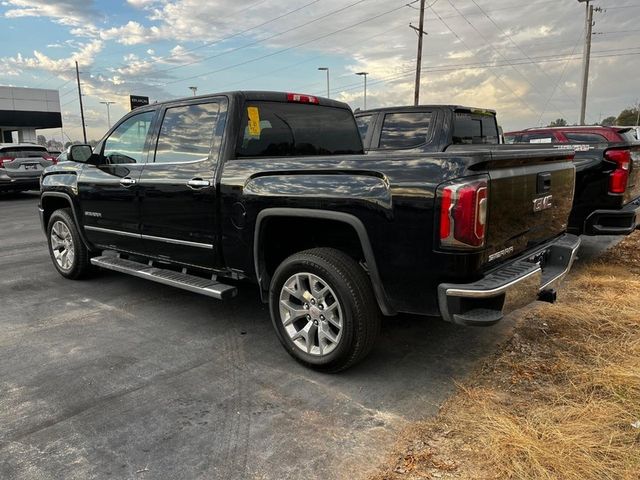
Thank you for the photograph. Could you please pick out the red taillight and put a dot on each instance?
(300, 98)
(463, 214)
(620, 177)
(4, 160)
(53, 160)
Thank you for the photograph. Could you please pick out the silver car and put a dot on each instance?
(21, 165)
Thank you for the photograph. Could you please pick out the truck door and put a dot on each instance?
(108, 189)
(178, 189)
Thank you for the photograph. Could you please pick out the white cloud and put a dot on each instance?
(65, 12)
(39, 61)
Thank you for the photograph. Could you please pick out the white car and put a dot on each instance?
(21, 165)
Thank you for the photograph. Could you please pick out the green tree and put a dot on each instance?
(609, 121)
(558, 122)
(42, 140)
(629, 116)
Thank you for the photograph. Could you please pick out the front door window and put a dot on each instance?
(126, 143)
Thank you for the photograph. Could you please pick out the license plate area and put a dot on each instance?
(31, 166)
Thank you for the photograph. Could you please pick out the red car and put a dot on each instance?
(573, 134)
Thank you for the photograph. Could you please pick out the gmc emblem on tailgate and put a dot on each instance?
(543, 203)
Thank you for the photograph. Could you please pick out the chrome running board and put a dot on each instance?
(203, 286)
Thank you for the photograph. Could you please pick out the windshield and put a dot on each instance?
(274, 129)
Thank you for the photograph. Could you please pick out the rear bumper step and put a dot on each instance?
(614, 222)
(203, 286)
(510, 287)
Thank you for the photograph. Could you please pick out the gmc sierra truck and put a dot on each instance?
(607, 196)
(275, 189)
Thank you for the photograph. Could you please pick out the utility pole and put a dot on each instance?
(586, 59)
(84, 128)
(421, 34)
(194, 90)
(107, 103)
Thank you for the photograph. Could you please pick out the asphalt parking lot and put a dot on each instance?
(117, 377)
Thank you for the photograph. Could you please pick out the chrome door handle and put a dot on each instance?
(127, 182)
(198, 183)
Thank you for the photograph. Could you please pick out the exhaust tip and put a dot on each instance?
(549, 296)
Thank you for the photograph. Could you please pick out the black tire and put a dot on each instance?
(352, 287)
(80, 267)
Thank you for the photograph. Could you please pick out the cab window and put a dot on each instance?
(405, 130)
(126, 143)
(473, 129)
(187, 133)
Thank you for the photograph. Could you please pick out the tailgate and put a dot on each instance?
(530, 198)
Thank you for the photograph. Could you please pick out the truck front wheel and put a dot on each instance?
(69, 255)
(323, 309)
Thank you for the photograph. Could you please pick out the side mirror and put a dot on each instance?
(80, 153)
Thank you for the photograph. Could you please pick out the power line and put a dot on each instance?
(278, 34)
(524, 102)
(498, 52)
(277, 52)
(225, 39)
(484, 65)
(514, 43)
(309, 60)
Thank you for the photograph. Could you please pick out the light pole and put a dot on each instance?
(326, 69)
(107, 103)
(364, 74)
(194, 90)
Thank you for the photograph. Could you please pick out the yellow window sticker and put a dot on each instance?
(254, 121)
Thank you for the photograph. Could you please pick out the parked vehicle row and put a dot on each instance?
(21, 165)
(276, 189)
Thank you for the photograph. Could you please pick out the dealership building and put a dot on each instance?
(25, 110)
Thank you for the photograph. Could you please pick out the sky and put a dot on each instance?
(520, 57)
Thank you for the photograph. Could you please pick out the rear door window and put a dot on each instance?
(187, 133)
(275, 129)
(405, 130)
(473, 129)
(576, 137)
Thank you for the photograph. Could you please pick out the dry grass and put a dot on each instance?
(561, 400)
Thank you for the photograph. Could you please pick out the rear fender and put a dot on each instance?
(352, 221)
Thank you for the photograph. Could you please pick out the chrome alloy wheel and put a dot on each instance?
(311, 314)
(62, 245)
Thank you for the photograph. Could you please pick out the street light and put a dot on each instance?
(364, 74)
(194, 90)
(326, 69)
(107, 103)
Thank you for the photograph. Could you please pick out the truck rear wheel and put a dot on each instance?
(69, 254)
(323, 309)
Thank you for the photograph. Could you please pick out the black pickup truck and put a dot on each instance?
(607, 160)
(275, 189)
